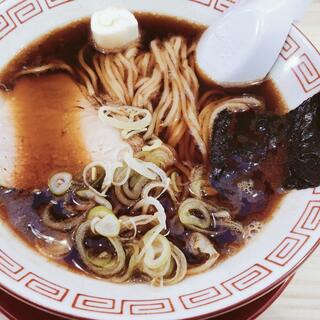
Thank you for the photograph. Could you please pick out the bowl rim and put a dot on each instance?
(242, 301)
(208, 315)
(275, 294)
(203, 316)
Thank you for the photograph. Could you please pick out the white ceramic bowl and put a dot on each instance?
(285, 243)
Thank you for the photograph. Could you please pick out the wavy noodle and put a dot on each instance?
(53, 66)
(89, 71)
(162, 80)
(143, 80)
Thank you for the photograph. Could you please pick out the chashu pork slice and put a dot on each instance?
(46, 126)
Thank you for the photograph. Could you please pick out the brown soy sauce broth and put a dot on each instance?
(64, 44)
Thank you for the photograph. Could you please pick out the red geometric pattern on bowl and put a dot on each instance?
(247, 278)
(44, 287)
(15, 309)
(206, 3)
(290, 245)
(24, 11)
(219, 5)
(240, 282)
(310, 220)
(20, 13)
(15, 271)
(307, 73)
(56, 3)
(309, 78)
(131, 307)
(6, 25)
(290, 48)
(10, 267)
(223, 5)
(286, 250)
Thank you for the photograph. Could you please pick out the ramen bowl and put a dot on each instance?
(287, 239)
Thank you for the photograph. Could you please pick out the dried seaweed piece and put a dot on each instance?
(254, 155)
(303, 170)
(242, 146)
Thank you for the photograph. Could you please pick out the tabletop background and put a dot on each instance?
(301, 300)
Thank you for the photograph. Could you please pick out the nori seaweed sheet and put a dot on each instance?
(303, 168)
(254, 155)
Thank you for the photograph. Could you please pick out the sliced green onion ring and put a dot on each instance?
(158, 253)
(160, 213)
(104, 222)
(105, 265)
(131, 223)
(155, 253)
(109, 167)
(163, 156)
(99, 212)
(63, 225)
(187, 217)
(139, 166)
(133, 262)
(177, 271)
(152, 145)
(153, 185)
(90, 195)
(60, 183)
(198, 243)
(121, 176)
(108, 226)
(200, 186)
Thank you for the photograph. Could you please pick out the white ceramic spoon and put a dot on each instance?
(240, 48)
